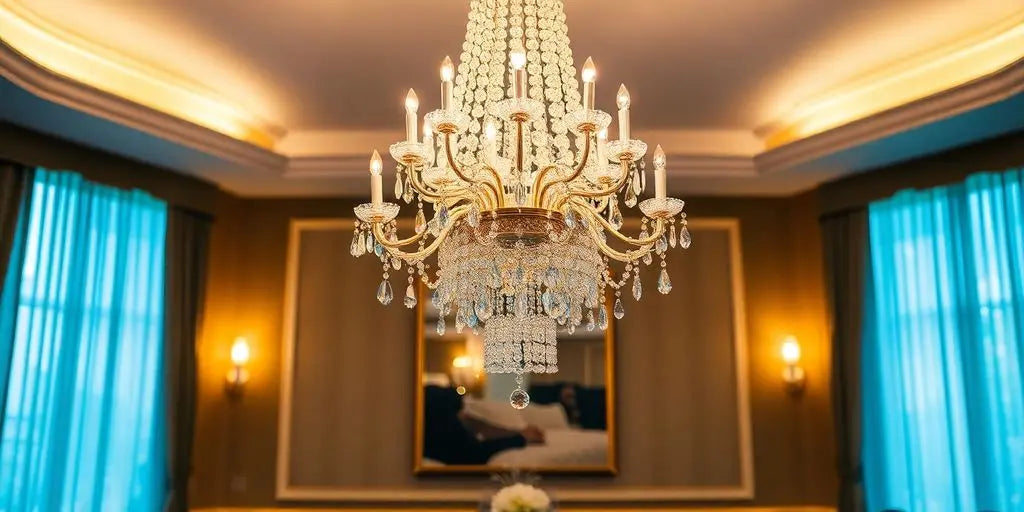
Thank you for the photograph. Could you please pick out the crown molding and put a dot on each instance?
(44, 83)
(1001, 85)
(64, 53)
(944, 68)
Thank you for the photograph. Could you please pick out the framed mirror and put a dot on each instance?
(466, 424)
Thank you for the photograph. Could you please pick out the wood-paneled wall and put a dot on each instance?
(236, 441)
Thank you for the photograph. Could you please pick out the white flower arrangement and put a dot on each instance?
(520, 497)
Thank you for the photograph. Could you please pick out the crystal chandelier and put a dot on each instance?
(525, 193)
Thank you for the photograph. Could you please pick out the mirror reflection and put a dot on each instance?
(466, 423)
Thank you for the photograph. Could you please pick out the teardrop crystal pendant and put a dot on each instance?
(637, 185)
(664, 283)
(637, 287)
(520, 194)
(384, 294)
(440, 326)
(399, 189)
(684, 238)
(630, 197)
(602, 318)
(672, 236)
(570, 218)
(615, 216)
(590, 320)
(473, 218)
(648, 258)
(357, 249)
(369, 242)
(619, 311)
(410, 297)
(442, 217)
(407, 196)
(519, 399)
(661, 245)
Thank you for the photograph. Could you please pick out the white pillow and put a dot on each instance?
(499, 414)
(549, 416)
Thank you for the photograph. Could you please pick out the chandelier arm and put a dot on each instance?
(537, 181)
(614, 189)
(456, 214)
(629, 255)
(378, 233)
(434, 197)
(579, 170)
(611, 229)
(498, 195)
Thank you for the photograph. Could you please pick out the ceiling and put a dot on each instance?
(329, 74)
(323, 64)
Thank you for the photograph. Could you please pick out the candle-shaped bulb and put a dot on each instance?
(412, 102)
(447, 69)
(376, 164)
(589, 70)
(622, 98)
(517, 56)
(659, 157)
(491, 131)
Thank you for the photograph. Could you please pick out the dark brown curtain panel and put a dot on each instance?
(15, 196)
(188, 239)
(845, 239)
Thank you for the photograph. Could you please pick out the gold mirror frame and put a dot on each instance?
(610, 468)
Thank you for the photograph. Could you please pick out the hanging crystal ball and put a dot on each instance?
(519, 399)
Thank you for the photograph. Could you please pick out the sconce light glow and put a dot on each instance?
(792, 375)
(240, 351)
(790, 350)
(462, 362)
(238, 375)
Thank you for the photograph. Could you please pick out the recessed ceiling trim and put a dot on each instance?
(984, 91)
(67, 55)
(929, 74)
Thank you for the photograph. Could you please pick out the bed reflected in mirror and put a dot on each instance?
(465, 423)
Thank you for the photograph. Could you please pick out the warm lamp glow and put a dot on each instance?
(462, 362)
(517, 57)
(622, 98)
(238, 376)
(447, 69)
(376, 164)
(603, 134)
(240, 352)
(589, 70)
(790, 350)
(659, 157)
(412, 102)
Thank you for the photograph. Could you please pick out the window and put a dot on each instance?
(83, 425)
(944, 349)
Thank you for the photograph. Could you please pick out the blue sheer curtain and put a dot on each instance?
(83, 422)
(943, 349)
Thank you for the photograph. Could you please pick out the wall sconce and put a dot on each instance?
(462, 373)
(793, 375)
(238, 376)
